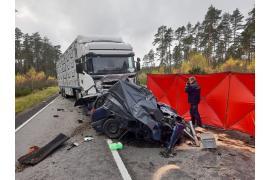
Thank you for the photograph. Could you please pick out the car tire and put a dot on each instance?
(112, 129)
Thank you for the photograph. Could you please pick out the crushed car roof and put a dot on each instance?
(138, 102)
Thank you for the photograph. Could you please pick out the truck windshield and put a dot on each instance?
(113, 65)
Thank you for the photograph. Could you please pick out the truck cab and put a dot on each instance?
(100, 63)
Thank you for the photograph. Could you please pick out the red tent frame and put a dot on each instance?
(227, 99)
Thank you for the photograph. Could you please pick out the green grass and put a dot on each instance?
(25, 102)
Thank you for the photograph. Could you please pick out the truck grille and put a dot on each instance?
(108, 85)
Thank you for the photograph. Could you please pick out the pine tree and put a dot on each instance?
(159, 40)
(18, 51)
(196, 36)
(145, 60)
(210, 35)
(168, 43)
(151, 57)
(27, 53)
(237, 27)
(37, 45)
(187, 40)
(248, 35)
(225, 35)
(179, 35)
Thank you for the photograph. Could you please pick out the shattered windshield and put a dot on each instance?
(113, 65)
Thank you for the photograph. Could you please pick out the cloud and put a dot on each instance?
(26, 15)
(136, 21)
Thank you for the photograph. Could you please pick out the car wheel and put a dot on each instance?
(112, 129)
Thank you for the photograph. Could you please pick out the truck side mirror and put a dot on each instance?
(79, 68)
(138, 64)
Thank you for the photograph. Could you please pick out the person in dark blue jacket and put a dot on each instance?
(193, 90)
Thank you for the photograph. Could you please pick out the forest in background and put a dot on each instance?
(221, 42)
(35, 59)
(34, 51)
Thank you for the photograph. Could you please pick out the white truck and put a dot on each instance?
(91, 65)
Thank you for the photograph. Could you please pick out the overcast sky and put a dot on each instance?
(136, 21)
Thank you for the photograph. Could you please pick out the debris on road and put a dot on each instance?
(38, 154)
(80, 121)
(75, 144)
(166, 154)
(60, 109)
(33, 148)
(208, 140)
(55, 115)
(88, 138)
(116, 146)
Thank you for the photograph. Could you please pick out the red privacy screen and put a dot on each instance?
(227, 99)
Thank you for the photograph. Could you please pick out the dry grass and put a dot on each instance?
(25, 102)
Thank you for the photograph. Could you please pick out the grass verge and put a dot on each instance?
(25, 102)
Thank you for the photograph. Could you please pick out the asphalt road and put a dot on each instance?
(90, 160)
(24, 116)
(93, 160)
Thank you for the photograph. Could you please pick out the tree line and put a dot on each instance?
(218, 37)
(34, 51)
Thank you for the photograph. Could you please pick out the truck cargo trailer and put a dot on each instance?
(91, 65)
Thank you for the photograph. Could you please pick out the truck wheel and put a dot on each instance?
(111, 128)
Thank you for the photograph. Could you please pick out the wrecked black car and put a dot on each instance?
(127, 107)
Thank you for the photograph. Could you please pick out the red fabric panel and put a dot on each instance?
(248, 80)
(241, 102)
(227, 99)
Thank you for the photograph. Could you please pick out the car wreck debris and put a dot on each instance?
(116, 146)
(88, 138)
(38, 154)
(80, 121)
(208, 140)
(128, 107)
(75, 144)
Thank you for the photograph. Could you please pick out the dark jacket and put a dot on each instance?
(193, 90)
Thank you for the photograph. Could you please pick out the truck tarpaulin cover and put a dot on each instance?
(227, 99)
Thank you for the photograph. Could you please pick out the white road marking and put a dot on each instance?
(121, 166)
(33, 116)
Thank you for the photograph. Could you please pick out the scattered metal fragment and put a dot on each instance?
(208, 140)
(88, 138)
(55, 115)
(38, 154)
(80, 121)
(75, 144)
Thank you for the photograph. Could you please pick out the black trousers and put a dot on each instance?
(195, 115)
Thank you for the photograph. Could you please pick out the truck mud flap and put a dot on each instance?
(40, 154)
